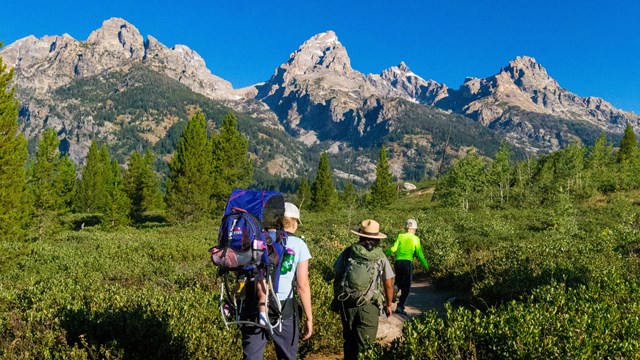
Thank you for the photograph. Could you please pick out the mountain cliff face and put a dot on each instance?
(318, 96)
(45, 67)
(128, 90)
(525, 83)
(51, 61)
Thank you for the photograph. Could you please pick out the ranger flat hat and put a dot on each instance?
(371, 229)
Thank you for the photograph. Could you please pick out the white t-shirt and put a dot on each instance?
(302, 254)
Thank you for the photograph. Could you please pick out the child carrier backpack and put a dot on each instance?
(247, 254)
(359, 276)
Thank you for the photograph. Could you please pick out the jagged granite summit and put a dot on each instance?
(52, 61)
(44, 65)
(525, 84)
(315, 96)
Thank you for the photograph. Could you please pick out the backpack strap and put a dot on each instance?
(294, 285)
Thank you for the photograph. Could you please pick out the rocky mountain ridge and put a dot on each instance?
(52, 61)
(318, 92)
(315, 96)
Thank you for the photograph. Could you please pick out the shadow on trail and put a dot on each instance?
(131, 334)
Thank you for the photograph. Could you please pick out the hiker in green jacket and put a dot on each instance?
(406, 246)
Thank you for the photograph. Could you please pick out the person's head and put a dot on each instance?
(291, 217)
(369, 233)
(411, 225)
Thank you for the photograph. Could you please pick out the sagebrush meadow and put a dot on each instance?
(542, 253)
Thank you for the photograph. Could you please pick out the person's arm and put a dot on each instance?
(394, 248)
(387, 282)
(388, 291)
(304, 290)
(420, 254)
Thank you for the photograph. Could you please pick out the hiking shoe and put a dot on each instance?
(401, 312)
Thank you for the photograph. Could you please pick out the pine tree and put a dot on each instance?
(232, 167)
(68, 183)
(142, 185)
(323, 192)
(190, 183)
(383, 190)
(118, 206)
(13, 156)
(44, 186)
(92, 193)
(304, 193)
(628, 145)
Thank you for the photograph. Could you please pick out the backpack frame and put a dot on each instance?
(238, 300)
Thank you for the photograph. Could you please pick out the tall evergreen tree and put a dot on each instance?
(628, 145)
(142, 185)
(232, 167)
(92, 194)
(45, 187)
(323, 192)
(383, 190)
(118, 206)
(190, 183)
(68, 182)
(13, 156)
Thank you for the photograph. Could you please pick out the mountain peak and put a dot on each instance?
(118, 36)
(326, 38)
(525, 68)
(321, 52)
(403, 67)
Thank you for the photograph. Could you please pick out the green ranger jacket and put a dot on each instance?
(407, 245)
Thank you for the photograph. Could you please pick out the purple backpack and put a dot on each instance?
(243, 242)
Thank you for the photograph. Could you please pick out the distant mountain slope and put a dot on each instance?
(133, 93)
(141, 108)
(521, 95)
(318, 97)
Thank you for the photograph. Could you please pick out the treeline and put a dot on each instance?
(575, 171)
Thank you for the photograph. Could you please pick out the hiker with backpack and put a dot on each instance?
(406, 246)
(294, 273)
(363, 289)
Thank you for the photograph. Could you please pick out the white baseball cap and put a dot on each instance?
(411, 224)
(292, 211)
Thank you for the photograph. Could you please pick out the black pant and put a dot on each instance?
(404, 276)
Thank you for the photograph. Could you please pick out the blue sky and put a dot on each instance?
(591, 48)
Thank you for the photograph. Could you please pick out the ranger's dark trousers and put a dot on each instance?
(404, 276)
(359, 328)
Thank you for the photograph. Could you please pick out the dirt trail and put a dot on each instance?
(423, 297)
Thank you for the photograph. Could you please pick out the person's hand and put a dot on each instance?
(308, 326)
(387, 310)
